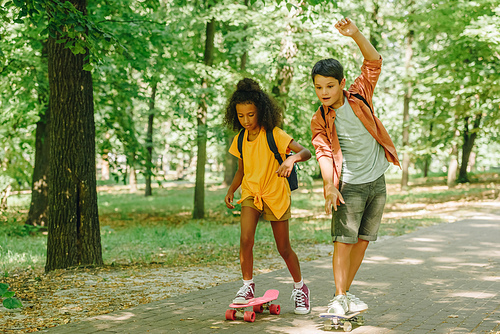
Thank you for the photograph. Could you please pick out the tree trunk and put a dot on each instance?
(453, 166)
(105, 172)
(231, 162)
(149, 141)
(132, 177)
(39, 206)
(469, 139)
(375, 31)
(286, 56)
(406, 111)
(74, 234)
(201, 117)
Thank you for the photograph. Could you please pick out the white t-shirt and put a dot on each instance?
(363, 158)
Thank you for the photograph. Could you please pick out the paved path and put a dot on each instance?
(441, 279)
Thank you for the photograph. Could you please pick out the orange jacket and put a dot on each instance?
(324, 134)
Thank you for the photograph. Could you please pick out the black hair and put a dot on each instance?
(328, 68)
(248, 91)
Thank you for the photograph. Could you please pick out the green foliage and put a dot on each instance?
(454, 73)
(60, 20)
(9, 301)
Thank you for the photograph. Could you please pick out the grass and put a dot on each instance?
(159, 229)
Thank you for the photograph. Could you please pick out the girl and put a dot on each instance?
(265, 189)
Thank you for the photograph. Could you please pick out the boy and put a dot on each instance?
(353, 150)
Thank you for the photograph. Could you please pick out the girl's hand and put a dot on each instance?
(229, 200)
(346, 27)
(286, 167)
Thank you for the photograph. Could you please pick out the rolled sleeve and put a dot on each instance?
(366, 82)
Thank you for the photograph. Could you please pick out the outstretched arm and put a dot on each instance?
(347, 28)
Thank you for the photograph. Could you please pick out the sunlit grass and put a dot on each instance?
(159, 229)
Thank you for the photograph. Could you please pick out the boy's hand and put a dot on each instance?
(346, 27)
(331, 195)
(229, 200)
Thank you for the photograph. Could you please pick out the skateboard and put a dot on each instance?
(258, 304)
(345, 321)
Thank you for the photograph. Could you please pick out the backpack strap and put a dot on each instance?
(272, 146)
(240, 142)
(363, 99)
(358, 96)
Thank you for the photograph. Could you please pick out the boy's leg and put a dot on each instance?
(357, 255)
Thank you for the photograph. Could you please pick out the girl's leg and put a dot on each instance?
(281, 235)
(248, 225)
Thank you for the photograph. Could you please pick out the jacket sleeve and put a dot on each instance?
(320, 139)
(366, 82)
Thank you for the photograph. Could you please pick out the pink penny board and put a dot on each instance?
(258, 304)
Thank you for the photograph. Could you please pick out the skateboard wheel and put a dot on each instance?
(361, 320)
(249, 316)
(231, 315)
(258, 308)
(347, 326)
(274, 309)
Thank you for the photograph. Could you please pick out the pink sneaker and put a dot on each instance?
(245, 294)
(302, 297)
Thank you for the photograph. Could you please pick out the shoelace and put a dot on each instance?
(300, 297)
(353, 297)
(243, 290)
(335, 300)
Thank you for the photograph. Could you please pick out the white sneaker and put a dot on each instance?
(338, 305)
(355, 304)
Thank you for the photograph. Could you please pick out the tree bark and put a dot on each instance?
(469, 139)
(39, 206)
(73, 230)
(201, 119)
(452, 168)
(149, 141)
(287, 54)
(231, 162)
(406, 111)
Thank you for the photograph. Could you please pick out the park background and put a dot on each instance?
(113, 153)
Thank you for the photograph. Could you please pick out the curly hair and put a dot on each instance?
(269, 114)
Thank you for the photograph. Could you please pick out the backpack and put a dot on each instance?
(355, 95)
(293, 181)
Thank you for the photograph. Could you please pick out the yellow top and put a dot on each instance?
(260, 179)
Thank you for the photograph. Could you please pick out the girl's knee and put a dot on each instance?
(247, 242)
(285, 251)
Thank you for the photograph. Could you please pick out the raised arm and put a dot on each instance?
(347, 28)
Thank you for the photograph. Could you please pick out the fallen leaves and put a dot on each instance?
(65, 296)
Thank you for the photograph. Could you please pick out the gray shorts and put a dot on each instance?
(361, 214)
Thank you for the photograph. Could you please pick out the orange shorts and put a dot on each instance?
(266, 212)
